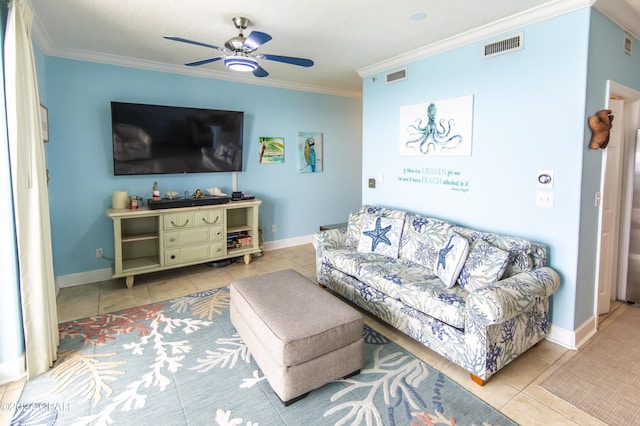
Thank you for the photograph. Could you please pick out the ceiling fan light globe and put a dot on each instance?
(240, 64)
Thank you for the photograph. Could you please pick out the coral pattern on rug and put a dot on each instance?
(182, 362)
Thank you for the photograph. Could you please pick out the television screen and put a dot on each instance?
(154, 139)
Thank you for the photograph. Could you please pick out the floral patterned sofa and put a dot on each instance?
(477, 298)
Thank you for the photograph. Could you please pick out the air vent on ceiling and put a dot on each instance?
(394, 76)
(505, 45)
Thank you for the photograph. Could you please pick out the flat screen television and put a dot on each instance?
(155, 139)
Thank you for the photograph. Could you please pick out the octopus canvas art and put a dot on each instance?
(437, 128)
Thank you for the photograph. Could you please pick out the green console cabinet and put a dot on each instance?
(148, 240)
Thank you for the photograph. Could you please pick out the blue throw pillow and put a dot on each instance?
(451, 258)
(485, 265)
(380, 235)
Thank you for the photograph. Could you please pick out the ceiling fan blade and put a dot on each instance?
(260, 72)
(204, 61)
(255, 40)
(197, 43)
(287, 60)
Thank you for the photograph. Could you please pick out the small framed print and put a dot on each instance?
(44, 122)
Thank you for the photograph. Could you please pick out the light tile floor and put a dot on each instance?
(514, 390)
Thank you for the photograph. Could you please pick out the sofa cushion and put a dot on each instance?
(431, 297)
(389, 276)
(484, 265)
(380, 235)
(403, 280)
(383, 211)
(421, 239)
(451, 258)
(519, 249)
(347, 259)
(354, 226)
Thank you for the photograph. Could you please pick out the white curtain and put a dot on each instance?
(31, 204)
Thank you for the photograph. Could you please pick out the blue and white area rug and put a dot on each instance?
(181, 362)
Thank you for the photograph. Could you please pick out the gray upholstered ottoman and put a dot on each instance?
(301, 336)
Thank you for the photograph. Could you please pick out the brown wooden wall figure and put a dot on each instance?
(600, 124)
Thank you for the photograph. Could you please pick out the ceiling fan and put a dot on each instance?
(239, 53)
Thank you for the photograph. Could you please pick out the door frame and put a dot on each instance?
(631, 122)
(610, 201)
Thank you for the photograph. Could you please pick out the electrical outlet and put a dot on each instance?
(544, 199)
(99, 253)
(273, 228)
(372, 183)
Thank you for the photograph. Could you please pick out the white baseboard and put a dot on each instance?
(81, 278)
(105, 274)
(12, 370)
(289, 242)
(572, 339)
(586, 331)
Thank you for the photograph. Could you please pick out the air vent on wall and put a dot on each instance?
(627, 44)
(394, 76)
(505, 45)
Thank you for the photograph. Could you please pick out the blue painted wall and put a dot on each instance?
(607, 61)
(80, 153)
(529, 114)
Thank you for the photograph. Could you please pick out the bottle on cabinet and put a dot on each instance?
(155, 192)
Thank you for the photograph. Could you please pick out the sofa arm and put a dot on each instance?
(329, 239)
(507, 298)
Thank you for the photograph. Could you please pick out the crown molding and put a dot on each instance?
(622, 14)
(510, 23)
(39, 35)
(42, 40)
(619, 11)
(122, 61)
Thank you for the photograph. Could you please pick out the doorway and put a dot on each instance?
(617, 196)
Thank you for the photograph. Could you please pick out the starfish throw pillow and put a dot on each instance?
(451, 257)
(380, 235)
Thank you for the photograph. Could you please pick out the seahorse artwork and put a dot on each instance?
(600, 124)
(433, 136)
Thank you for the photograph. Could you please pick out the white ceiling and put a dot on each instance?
(347, 39)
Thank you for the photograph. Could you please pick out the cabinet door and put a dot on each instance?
(209, 217)
(178, 220)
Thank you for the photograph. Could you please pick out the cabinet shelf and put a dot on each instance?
(140, 263)
(234, 229)
(139, 237)
(239, 251)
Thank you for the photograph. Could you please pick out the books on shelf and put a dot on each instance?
(239, 239)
